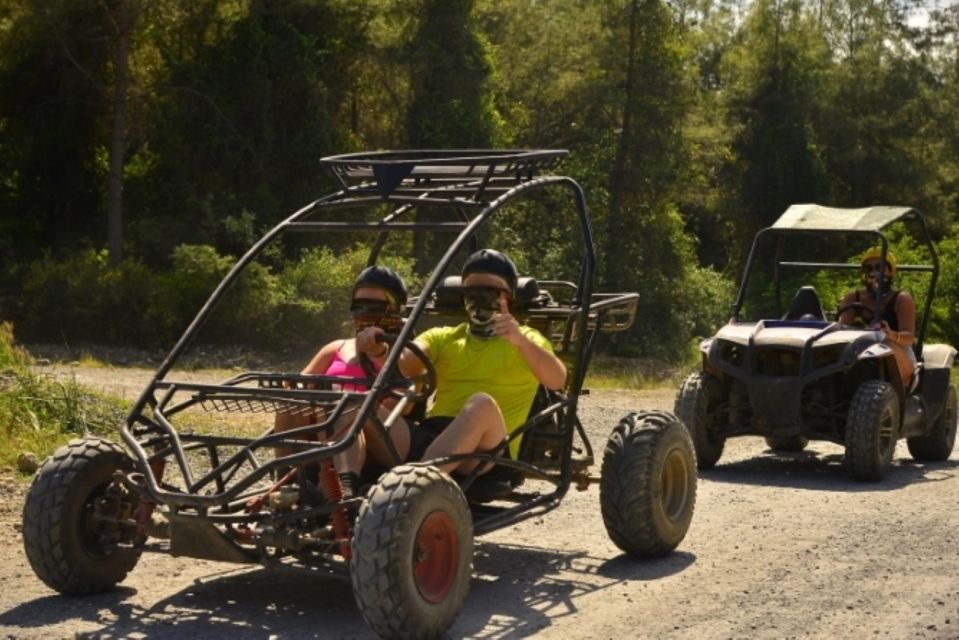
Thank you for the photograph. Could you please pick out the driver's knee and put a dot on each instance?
(480, 404)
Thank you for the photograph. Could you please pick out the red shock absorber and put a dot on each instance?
(332, 490)
(144, 511)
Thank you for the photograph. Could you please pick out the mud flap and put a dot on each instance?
(935, 383)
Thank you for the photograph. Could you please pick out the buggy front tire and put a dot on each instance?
(697, 405)
(786, 444)
(647, 488)
(871, 427)
(69, 547)
(412, 553)
(937, 445)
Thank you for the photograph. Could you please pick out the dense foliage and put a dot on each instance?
(143, 142)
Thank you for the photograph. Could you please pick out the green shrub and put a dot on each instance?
(39, 413)
(83, 298)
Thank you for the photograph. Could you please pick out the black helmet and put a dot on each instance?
(494, 262)
(384, 278)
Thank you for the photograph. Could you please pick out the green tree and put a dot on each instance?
(772, 88)
(55, 57)
(450, 102)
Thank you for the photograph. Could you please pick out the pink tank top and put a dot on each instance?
(342, 368)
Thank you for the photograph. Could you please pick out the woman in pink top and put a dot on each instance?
(378, 297)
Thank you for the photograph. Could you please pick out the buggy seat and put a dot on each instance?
(449, 295)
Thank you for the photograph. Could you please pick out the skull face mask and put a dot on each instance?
(878, 284)
(482, 305)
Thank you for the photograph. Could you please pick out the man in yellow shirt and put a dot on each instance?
(487, 369)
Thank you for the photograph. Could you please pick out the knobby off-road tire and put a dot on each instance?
(59, 529)
(786, 444)
(937, 445)
(647, 488)
(412, 553)
(871, 427)
(697, 405)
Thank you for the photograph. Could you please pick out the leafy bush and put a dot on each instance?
(83, 297)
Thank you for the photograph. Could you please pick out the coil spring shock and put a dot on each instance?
(332, 490)
(144, 511)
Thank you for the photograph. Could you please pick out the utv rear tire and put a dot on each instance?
(697, 405)
(60, 534)
(412, 553)
(647, 488)
(871, 426)
(786, 444)
(937, 445)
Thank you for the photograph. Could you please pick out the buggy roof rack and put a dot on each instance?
(814, 217)
(447, 174)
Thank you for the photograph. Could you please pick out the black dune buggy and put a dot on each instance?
(792, 375)
(407, 542)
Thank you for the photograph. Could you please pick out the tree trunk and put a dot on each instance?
(125, 18)
(618, 179)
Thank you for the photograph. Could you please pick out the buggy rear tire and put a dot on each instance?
(937, 445)
(697, 405)
(787, 444)
(647, 489)
(871, 426)
(64, 541)
(412, 553)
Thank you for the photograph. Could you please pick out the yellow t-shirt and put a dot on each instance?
(466, 365)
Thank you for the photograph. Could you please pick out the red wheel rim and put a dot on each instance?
(435, 557)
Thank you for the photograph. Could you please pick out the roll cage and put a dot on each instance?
(825, 222)
(472, 184)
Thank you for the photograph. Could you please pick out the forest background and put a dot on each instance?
(144, 144)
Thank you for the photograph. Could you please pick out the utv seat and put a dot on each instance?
(805, 306)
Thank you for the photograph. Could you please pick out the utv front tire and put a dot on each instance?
(786, 444)
(871, 426)
(647, 488)
(68, 546)
(937, 445)
(697, 405)
(412, 553)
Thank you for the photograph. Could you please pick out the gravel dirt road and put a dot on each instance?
(780, 547)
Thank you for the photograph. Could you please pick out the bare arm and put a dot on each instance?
(548, 369)
(409, 365)
(849, 315)
(906, 315)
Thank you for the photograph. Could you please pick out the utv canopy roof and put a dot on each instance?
(813, 217)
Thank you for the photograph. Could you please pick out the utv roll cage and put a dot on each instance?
(823, 222)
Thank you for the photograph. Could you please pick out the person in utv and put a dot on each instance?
(897, 316)
(378, 296)
(487, 369)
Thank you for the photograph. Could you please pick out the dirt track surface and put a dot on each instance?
(780, 547)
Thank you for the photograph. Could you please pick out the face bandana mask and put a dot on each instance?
(482, 305)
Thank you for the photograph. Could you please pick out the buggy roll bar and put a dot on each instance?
(470, 181)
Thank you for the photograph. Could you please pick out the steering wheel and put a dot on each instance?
(426, 381)
(858, 307)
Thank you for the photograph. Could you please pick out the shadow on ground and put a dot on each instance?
(824, 472)
(515, 592)
(508, 603)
